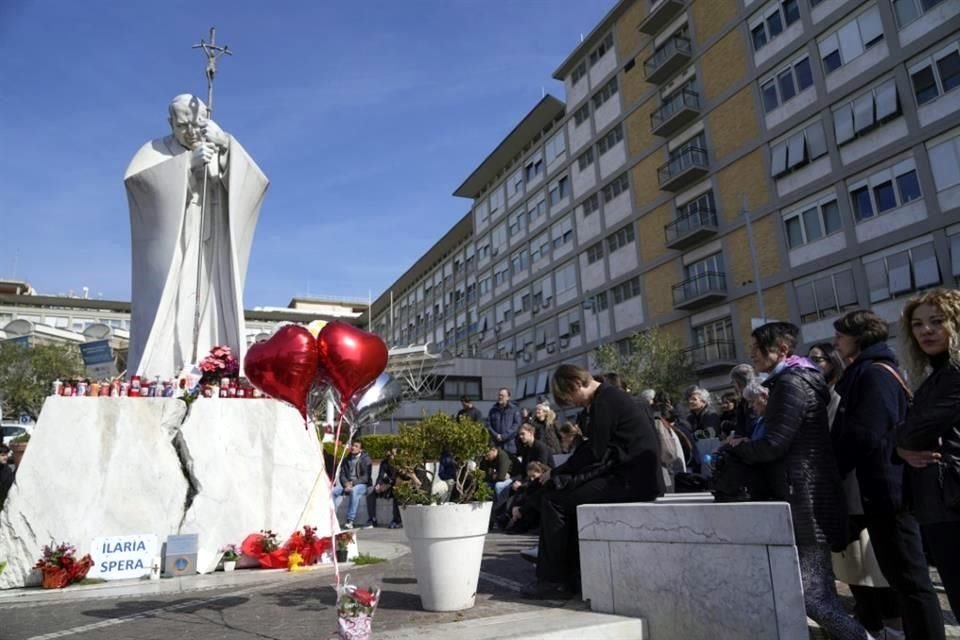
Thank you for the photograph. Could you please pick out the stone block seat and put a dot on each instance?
(693, 568)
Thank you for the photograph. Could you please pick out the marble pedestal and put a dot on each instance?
(123, 466)
(695, 569)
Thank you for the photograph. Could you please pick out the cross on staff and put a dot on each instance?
(213, 53)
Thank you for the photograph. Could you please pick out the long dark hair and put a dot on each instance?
(837, 365)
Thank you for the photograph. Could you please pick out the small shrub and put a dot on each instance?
(377, 445)
(366, 558)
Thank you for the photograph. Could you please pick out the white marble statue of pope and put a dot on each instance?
(164, 182)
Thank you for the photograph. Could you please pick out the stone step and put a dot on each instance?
(556, 624)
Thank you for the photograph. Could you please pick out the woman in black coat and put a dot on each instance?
(929, 440)
(796, 458)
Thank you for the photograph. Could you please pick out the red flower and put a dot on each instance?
(364, 597)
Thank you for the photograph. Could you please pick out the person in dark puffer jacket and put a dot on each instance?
(796, 456)
(929, 440)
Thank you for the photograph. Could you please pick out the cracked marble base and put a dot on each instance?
(695, 571)
(108, 466)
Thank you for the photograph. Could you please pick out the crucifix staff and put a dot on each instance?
(212, 52)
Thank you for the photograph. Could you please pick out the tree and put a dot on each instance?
(651, 359)
(27, 373)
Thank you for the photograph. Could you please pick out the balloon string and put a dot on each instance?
(338, 463)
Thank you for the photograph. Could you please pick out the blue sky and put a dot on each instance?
(365, 117)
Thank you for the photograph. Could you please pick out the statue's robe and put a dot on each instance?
(165, 200)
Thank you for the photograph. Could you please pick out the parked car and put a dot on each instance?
(11, 430)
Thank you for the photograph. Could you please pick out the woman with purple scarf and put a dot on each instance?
(795, 456)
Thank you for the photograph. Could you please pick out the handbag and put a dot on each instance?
(950, 480)
(732, 480)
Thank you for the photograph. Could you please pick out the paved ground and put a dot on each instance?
(271, 605)
(288, 607)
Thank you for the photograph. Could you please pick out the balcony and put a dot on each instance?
(700, 291)
(685, 168)
(712, 356)
(661, 13)
(691, 228)
(678, 111)
(672, 56)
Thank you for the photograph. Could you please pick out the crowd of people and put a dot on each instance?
(867, 455)
(870, 467)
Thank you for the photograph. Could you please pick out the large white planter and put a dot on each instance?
(447, 543)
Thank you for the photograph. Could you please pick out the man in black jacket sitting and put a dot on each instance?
(383, 488)
(619, 462)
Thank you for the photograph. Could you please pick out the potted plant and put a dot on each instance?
(344, 540)
(445, 505)
(230, 556)
(18, 446)
(60, 567)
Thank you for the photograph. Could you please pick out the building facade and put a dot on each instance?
(716, 163)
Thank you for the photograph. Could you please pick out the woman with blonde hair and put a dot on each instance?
(544, 420)
(929, 439)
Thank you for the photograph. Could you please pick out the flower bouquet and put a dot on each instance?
(60, 566)
(265, 547)
(220, 363)
(310, 547)
(355, 608)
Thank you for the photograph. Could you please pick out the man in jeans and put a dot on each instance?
(873, 402)
(503, 422)
(354, 480)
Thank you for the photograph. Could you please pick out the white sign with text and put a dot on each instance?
(123, 557)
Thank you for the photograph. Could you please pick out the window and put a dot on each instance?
(866, 112)
(540, 248)
(786, 83)
(591, 205)
(581, 115)
(703, 276)
(578, 73)
(568, 325)
(799, 149)
(902, 272)
(696, 213)
(566, 277)
(518, 261)
(536, 209)
(620, 238)
(562, 233)
(484, 284)
(826, 296)
(715, 340)
(516, 222)
(594, 252)
(625, 291)
(600, 302)
(936, 75)
(690, 153)
(455, 388)
(775, 19)
(851, 40)
(885, 190)
(601, 49)
(608, 91)
(499, 237)
(608, 141)
(585, 159)
(616, 186)
(534, 168)
(500, 273)
(555, 147)
(909, 10)
(504, 311)
(812, 223)
(954, 257)
(560, 190)
(945, 162)
(496, 201)
(516, 182)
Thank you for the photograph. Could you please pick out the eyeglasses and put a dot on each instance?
(817, 359)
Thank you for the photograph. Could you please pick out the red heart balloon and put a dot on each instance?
(352, 358)
(284, 366)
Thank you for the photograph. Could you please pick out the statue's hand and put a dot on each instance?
(202, 155)
(213, 133)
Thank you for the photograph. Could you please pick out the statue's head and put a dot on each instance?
(188, 116)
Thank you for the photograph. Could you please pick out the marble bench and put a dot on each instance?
(693, 568)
